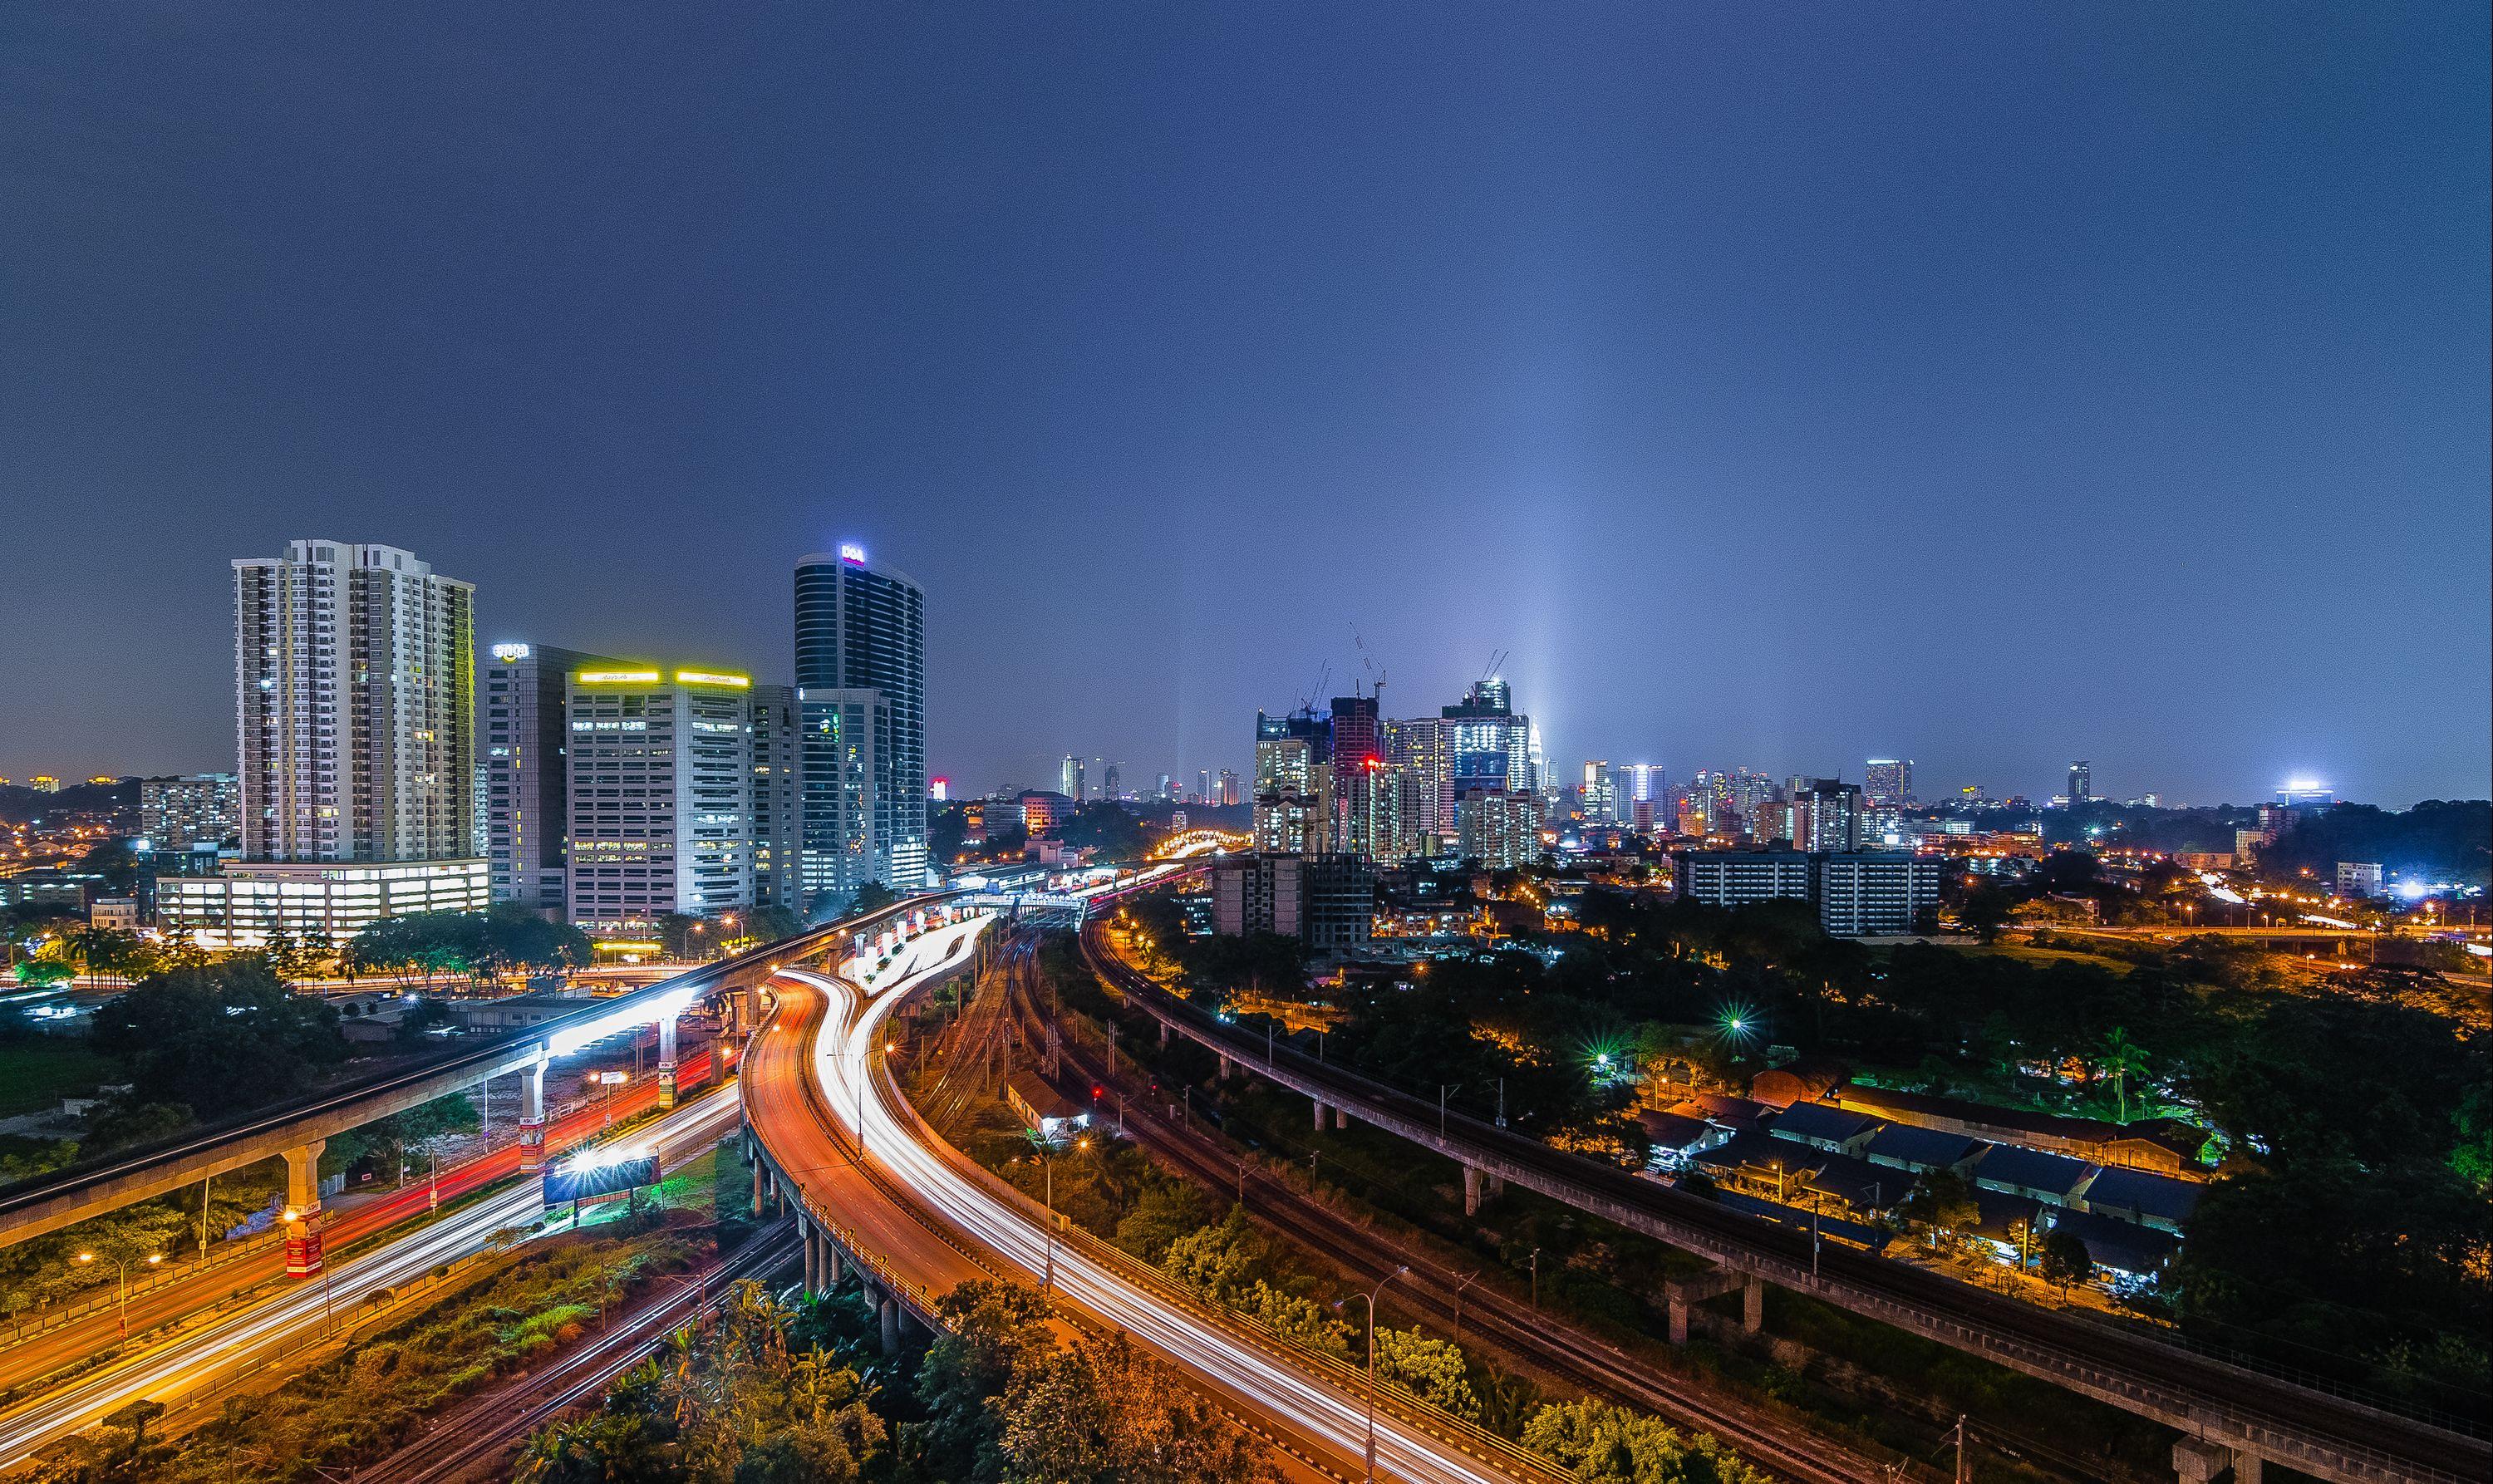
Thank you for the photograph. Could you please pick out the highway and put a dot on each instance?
(40, 1353)
(2305, 1428)
(815, 1070)
(63, 1197)
(200, 1365)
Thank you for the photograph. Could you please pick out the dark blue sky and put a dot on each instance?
(1994, 385)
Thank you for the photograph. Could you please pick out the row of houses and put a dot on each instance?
(1814, 1160)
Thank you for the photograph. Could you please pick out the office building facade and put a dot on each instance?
(2081, 783)
(661, 795)
(775, 819)
(861, 714)
(527, 782)
(355, 685)
(250, 902)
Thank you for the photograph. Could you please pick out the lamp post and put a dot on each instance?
(1371, 1368)
(123, 1267)
(1535, 1261)
(1047, 1176)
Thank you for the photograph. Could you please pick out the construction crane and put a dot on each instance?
(1376, 672)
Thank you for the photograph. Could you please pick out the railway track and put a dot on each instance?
(1444, 1296)
(486, 1427)
(2285, 1421)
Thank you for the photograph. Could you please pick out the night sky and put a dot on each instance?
(1993, 386)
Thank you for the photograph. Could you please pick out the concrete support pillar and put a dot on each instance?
(2196, 1461)
(891, 1326)
(1679, 1310)
(1225, 1067)
(303, 1209)
(1164, 1035)
(813, 1257)
(1340, 1116)
(532, 1116)
(1320, 1116)
(1753, 1306)
(1471, 1190)
(667, 1063)
(760, 1173)
(1496, 1184)
(830, 1265)
(2248, 1467)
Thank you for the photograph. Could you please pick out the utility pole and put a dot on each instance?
(1501, 1102)
(1962, 1474)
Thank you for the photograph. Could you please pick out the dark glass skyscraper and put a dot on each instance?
(861, 727)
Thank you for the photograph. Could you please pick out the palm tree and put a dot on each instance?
(2120, 1060)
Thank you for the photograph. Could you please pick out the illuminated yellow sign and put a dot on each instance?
(615, 677)
(711, 677)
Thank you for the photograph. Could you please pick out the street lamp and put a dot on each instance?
(153, 1259)
(1047, 1175)
(1371, 1368)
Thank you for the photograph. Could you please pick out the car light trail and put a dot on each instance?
(1270, 1380)
(184, 1368)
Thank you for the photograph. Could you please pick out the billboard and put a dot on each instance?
(593, 1176)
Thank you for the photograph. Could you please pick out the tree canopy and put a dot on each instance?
(217, 1039)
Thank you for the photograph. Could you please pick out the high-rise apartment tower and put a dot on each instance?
(861, 722)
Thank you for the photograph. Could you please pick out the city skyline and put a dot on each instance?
(1044, 772)
(2082, 472)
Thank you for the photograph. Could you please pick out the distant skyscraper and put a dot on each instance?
(1203, 786)
(1357, 740)
(1111, 783)
(939, 789)
(1643, 779)
(527, 780)
(860, 711)
(1166, 789)
(1599, 794)
(1068, 778)
(354, 706)
(2081, 783)
(1228, 787)
(1888, 782)
(1826, 816)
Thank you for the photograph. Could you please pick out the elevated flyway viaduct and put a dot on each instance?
(2229, 1416)
(297, 1128)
